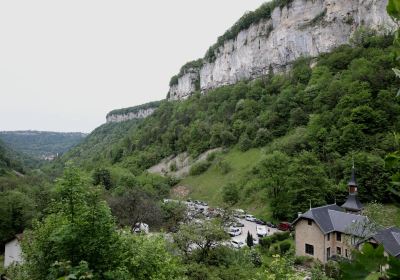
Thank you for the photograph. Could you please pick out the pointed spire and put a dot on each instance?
(353, 182)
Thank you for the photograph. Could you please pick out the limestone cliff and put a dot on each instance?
(300, 28)
(136, 112)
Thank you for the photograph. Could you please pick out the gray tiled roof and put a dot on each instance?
(331, 218)
(352, 203)
(390, 239)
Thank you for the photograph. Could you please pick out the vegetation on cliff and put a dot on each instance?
(312, 120)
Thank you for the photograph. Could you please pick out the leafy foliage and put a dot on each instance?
(38, 144)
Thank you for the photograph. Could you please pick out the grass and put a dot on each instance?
(391, 214)
(208, 186)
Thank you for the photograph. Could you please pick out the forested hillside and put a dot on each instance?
(311, 123)
(41, 144)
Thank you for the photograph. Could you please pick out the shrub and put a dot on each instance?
(224, 167)
(173, 167)
(199, 168)
(282, 236)
(284, 246)
(302, 260)
(211, 157)
(265, 242)
(230, 194)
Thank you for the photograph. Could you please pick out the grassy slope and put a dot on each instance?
(208, 186)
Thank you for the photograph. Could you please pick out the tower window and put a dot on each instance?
(338, 250)
(309, 222)
(338, 236)
(328, 237)
(309, 249)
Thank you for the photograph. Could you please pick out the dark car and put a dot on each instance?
(238, 224)
(285, 226)
(271, 225)
(260, 222)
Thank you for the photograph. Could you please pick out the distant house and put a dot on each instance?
(390, 239)
(331, 231)
(13, 252)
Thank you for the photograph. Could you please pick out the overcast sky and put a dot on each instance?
(65, 64)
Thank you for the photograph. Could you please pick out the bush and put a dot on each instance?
(282, 236)
(284, 246)
(224, 167)
(265, 242)
(230, 194)
(199, 168)
(302, 260)
(173, 167)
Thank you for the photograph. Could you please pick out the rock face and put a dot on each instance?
(140, 114)
(302, 28)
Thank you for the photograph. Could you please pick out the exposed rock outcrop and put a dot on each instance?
(131, 113)
(302, 28)
(141, 114)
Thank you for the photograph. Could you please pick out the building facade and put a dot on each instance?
(331, 231)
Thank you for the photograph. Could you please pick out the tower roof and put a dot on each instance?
(353, 181)
(352, 203)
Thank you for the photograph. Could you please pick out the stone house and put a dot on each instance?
(331, 231)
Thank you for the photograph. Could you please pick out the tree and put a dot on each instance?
(244, 142)
(203, 236)
(230, 194)
(102, 176)
(367, 262)
(249, 240)
(79, 228)
(135, 206)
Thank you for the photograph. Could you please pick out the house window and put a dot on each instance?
(338, 250)
(329, 237)
(346, 253)
(328, 252)
(309, 222)
(338, 236)
(309, 249)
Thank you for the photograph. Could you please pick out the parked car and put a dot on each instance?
(237, 244)
(250, 218)
(141, 228)
(255, 241)
(238, 224)
(284, 226)
(261, 231)
(239, 213)
(234, 231)
(260, 222)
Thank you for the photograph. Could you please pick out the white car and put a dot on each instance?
(261, 231)
(237, 244)
(234, 231)
(250, 218)
(141, 228)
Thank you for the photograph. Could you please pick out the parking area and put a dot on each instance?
(252, 228)
(198, 211)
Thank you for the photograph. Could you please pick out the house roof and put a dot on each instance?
(352, 203)
(331, 218)
(390, 239)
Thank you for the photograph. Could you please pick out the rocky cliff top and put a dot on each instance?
(274, 36)
(135, 112)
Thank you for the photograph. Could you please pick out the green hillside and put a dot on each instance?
(298, 133)
(102, 146)
(41, 144)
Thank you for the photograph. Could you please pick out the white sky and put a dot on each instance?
(65, 64)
